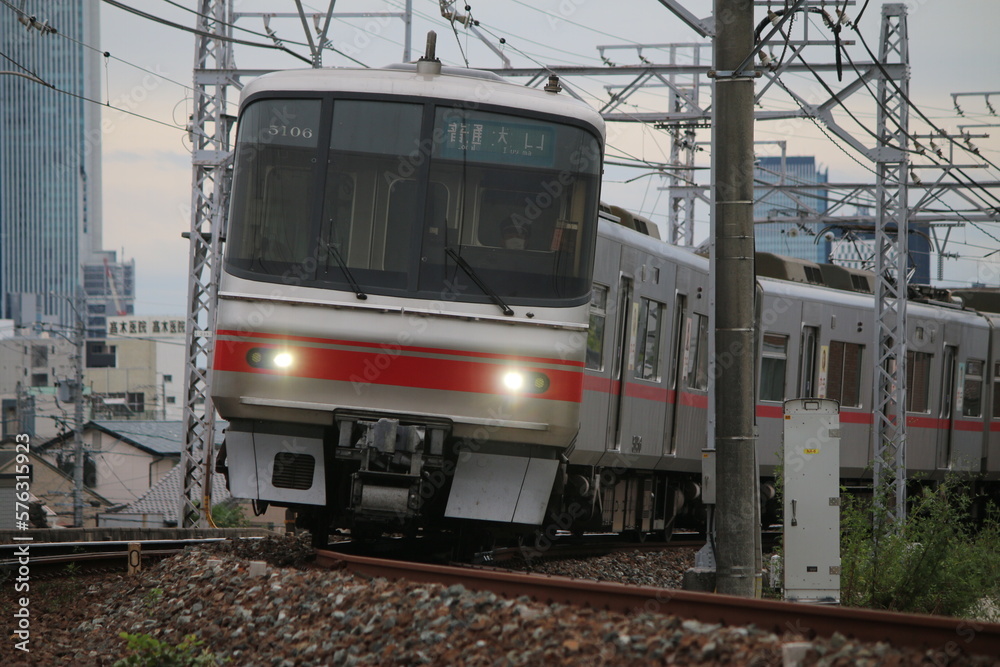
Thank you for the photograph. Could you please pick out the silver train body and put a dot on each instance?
(425, 322)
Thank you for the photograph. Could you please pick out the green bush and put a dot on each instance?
(931, 563)
(229, 514)
(151, 652)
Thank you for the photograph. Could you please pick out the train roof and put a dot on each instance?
(474, 87)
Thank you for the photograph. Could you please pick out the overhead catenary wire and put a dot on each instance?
(203, 33)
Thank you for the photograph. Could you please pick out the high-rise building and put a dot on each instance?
(110, 289)
(50, 157)
(790, 228)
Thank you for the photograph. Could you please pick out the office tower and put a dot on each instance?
(790, 228)
(50, 158)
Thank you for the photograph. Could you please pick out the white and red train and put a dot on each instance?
(426, 320)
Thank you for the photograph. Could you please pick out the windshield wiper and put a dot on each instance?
(347, 272)
(476, 279)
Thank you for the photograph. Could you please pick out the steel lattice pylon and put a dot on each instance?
(892, 162)
(680, 227)
(211, 159)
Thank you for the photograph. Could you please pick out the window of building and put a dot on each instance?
(918, 381)
(696, 352)
(972, 390)
(39, 356)
(595, 335)
(844, 376)
(39, 379)
(774, 359)
(647, 350)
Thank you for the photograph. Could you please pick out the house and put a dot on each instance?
(124, 459)
(159, 507)
(49, 486)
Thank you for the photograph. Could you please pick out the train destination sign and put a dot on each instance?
(497, 140)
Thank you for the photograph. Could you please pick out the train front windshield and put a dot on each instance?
(396, 196)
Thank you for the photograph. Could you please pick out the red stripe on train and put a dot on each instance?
(381, 347)
(390, 367)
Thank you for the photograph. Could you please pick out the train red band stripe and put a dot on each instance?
(270, 337)
(401, 370)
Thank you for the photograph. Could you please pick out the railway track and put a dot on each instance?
(54, 559)
(902, 630)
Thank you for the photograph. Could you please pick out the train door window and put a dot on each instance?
(774, 359)
(918, 381)
(807, 364)
(595, 334)
(972, 389)
(368, 205)
(679, 345)
(844, 376)
(338, 212)
(996, 390)
(696, 352)
(647, 350)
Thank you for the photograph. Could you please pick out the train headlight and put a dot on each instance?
(261, 357)
(513, 381)
(526, 382)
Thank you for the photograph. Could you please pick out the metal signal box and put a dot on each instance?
(812, 500)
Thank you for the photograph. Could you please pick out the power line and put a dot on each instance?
(202, 33)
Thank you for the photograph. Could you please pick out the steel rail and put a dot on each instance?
(909, 630)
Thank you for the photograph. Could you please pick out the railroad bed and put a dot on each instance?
(310, 616)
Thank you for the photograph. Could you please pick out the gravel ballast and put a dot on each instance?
(291, 615)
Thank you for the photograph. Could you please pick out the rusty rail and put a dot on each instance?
(912, 630)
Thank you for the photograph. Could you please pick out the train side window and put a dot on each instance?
(647, 352)
(918, 381)
(774, 359)
(972, 390)
(696, 352)
(844, 377)
(595, 335)
(996, 390)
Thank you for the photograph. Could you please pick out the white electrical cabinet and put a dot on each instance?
(812, 500)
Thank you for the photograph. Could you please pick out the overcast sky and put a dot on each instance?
(147, 170)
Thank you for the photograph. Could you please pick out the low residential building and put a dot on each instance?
(124, 458)
(49, 486)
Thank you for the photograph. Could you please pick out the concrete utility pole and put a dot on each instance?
(732, 167)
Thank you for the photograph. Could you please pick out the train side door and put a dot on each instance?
(807, 362)
(947, 407)
(624, 340)
(677, 375)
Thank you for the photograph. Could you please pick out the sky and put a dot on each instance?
(147, 162)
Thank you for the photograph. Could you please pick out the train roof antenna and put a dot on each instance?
(428, 63)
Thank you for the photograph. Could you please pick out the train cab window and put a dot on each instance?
(647, 349)
(918, 381)
(774, 360)
(595, 334)
(409, 199)
(844, 375)
(696, 352)
(274, 162)
(972, 389)
(524, 193)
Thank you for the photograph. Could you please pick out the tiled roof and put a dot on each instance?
(164, 496)
(161, 438)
